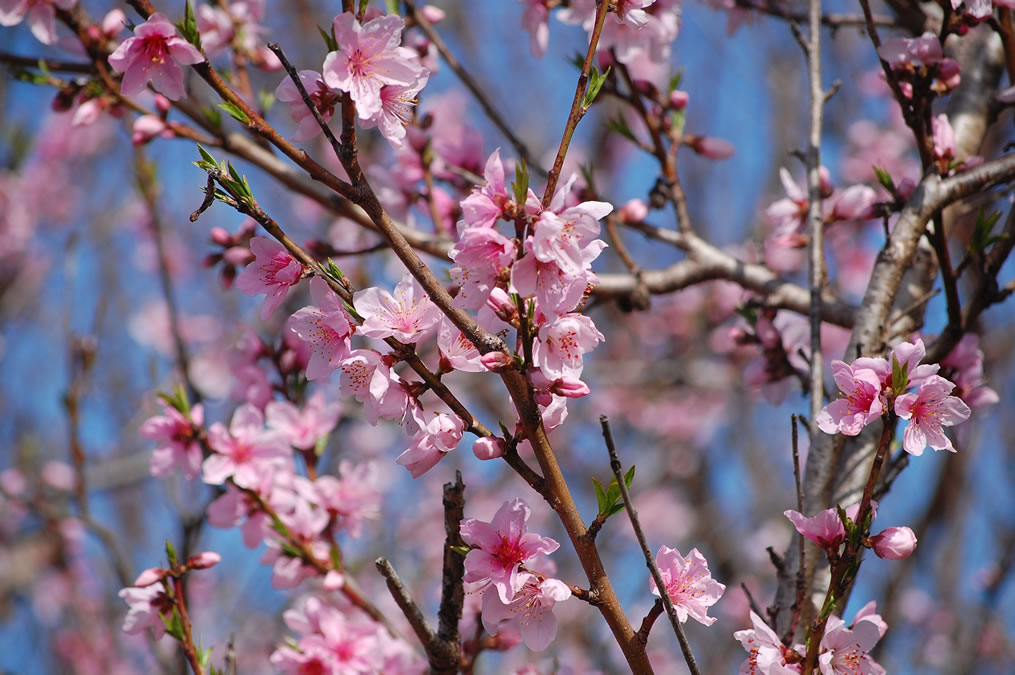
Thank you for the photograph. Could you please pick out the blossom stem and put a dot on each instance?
(188, 636)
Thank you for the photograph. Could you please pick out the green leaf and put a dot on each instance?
(675, 80)
(600, 496)
(392, 6)
(460, 550)
(235, 111)
(171, 553)
(677, 119)
(213, 116)
(174, 626)
(329, 38)
(900, 375)
(629, 476)
(291, 550)
(596, 80)
(615, 509)
(612, 492)
(885, 179)
(204, 657)
(521, 185)
(618, 125)
(188, 26)
(983, 232)
(265, 100)
(321, 445)
(749, 314)
(332, 269)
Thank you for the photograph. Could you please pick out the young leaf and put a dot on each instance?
(171, 553)
(619, 125)
(616, 508)
(235, 112)
(520, 187)
(174, 626)
(885, 179)
(460, 550)
(675, 80)
(900, 376)
(329, 38)
(600, 496)
(188, 26)
(596, 80)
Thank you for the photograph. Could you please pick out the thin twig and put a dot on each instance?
(801, 579)
(295, 77)
(404, 600)
(671, 612)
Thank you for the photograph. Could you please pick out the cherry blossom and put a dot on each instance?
(230, 23)
(488, 447)
(397, 103)
(859, 403)
(501, 546)
(146, 607)
(439, 436)
(825, 528)
(844, 651)
(272, 273)
(369, 57)
(966, 363)
(928, 411)
(367, 377)
(154, 54)
(302, 428)
(535, 21)
(894, 543)
(482, 256)
(178, 441)
(568, 239)
(459, 351)
(352, 498)
(242, 451)
(486, 204)
(531, 610)
(562, 344)
(325, 328)
(407, 315)
(321, 95)
(688, 583)
(766, 654)
(40, 14)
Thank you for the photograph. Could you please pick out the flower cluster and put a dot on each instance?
(788, 216)
(869, 387)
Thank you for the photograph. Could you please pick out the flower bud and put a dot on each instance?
(634, 211)
(220, 236)
(500, 302)
(711, 148)
(432, 14)
(162, 104)
(150, 576)
(334, 580)
(679, 99)
(488, 448)
(570, 387)
(203, 561)
(895, 543)
(238, 255)
(496, 361)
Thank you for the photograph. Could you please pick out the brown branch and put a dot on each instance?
(632, 514)
(50, 64)
(409, 608)
(447, 653)
(832, 21)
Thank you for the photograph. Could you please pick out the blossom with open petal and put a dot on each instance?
(272, 273)
(458, 349)
(146, 607)
(369, 57)
(367, 377)
(178, 444)
(242, 451)
(321, 95)
(154, 54)
(325, 327)
(860, 402)
(501, 546)
(531, 610)
(40, 14)
(825, 528)
(766, 654)
(929, 410)
(441, 435)
(303, 428)
(482, 255)
(562, 344)
(844, 651)
(397, 102)
(688, 583)
(408, 315)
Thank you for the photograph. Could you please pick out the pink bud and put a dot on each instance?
(538, 380)
(334, 580)
(59, 476)
(496, 361)
(488, 448)
(162, 104)
(220, 236)
(150, 576)
(948, 72)
(237, 255)
(605, 59)
(646, 88)
(432, 14)
(895, 543)
(634, 211)
(679, 99)
(501, 304)
(203, 561)
(825, 183)
(570, 387)
(542, 397)
(712, 148)
(943, 137)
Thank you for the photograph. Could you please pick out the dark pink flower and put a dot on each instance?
(154, 54)
(177, 438)
(928, 411)
(689, 584)
(859, 403)
(894, 543)
(825, 529)
(273, 272)
(441, 435)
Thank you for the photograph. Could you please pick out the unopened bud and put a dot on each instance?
(496, 361)
(238, 255)
(432, 14)
(220, 236)
(334, 580)
(488, 448)
(501, 304)
(150, 576)
(895, 543)
(679, 99)
(570, 387)
(162, 104)
(634, 211)
(712, 148)
(203, 561)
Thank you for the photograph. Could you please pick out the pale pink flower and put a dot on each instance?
(943, 138)
(928, 411)
(441, 435)
(825, 529)
(979, 9)
(501, 546)
(688, 583)
(145, 608)
(894, 543)
(369, 57)
(568, 239)
(562, 344)
(556, 292)
(40, 14)
(487, 204)
(531, 610)
(154, 54)
(397, 103)
(925, 49)
(203, 561)
(409, 315)
(766, 654)
(177, 438)
(228, 24)
(535, 20)
(488, 447)
(273, 272)
(235, 507)
(458, 349)
(844, 651)
(243, 451)
(303, 428)
(352, 498)
(321, 95)
(482, 256)
(324, 327)
(367, 377)
(860, 402)
(854, 203)
(330, 642)
(147, 127)
(150, 576)
(908, 355)
(966, 360)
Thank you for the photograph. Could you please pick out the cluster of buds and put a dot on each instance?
(235, 251)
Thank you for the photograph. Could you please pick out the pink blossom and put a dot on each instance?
(859, 403)
(633, 211)
(966, 360)
(234, 507)
(177, 438)
(458, 349)
(489, 203)
(568, 239)
(203, 561)
(501, 546)
(322, 96)
(894, 543)
(928, 411)
(40, 14)
(147, 127)
(302, 429)
(441, 435)
(925, 49)
(562, 344)
(242, 452)
(145, 608)
(150, 576)
(766, 653)
(825, 529)
(230, 23)
(535, 20)
(154, 54)
(409, 315)
(908, 355)
(943, 138)
(397, 103)
(368, 58)
(482, 256)
(324, 327)
(844, 651)
(531, 609)
(854, 203)
(352, 498)
(489, 447)
(330, 642)
(711, 148)
(688, 583)
(371, 381)
(555, 291)
(273, 272)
